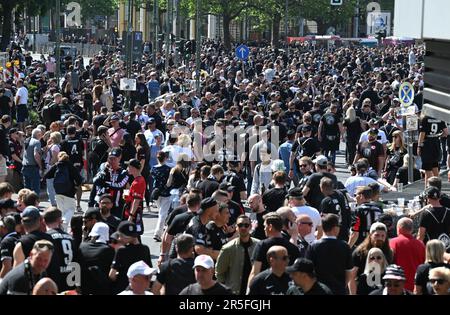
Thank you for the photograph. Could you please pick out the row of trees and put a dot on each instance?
(269, 13)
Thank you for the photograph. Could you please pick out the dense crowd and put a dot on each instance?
(240, 170)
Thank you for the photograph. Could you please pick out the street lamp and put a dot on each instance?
(57, 31)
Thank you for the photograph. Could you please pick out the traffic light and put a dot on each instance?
(180, 44)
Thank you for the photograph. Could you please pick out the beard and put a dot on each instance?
(378, 243)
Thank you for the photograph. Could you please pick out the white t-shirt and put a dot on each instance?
(365, 137)
(315, 218)
(22, 92)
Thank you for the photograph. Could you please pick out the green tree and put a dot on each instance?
(8, 6)
(90, 8)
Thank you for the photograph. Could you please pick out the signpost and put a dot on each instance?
(410, 121)
(242, 52)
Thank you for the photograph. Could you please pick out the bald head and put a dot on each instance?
(45, 286)
(405, 225)
(276, 251)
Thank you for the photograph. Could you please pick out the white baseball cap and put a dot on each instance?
(140, 268)
(101, 230)
(204, 261)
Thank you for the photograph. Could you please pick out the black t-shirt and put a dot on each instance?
(124, 258)
(318, 288)
(216, 237)
(235, 211)
(4, 105)
(17, 281)
(99, 120)
(336, 203)
(267, 283)
(64, 250)
(28, 241)
(7, 246)
(274, 198)
(305, 146)
(316, 115)
(331, 272)
(198, 230)
(330, 125)
(261, 249)
(315, 196)
(216, 289)
(113, 222)
(176, 274)
(445, 200)
(180, 223)
(208, 187)
(436, 221)
(236, 180)
(402, 175)
(371, 151)
(74, 148)
(95, 261)
(431, 127)
(354, 130)
(366, 215)
(178, 210)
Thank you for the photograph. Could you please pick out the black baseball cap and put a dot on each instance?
(295, 192)
(7, 204)
(207, 203)
(301, 265)
(373, 131)
(128, 228)
(226, 187)
(12, 130)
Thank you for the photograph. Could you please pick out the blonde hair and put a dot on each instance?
(435, 251)
(441, 272)
(184, 140)
(63, 156)
(373, 251)
(56, 137)
(406, 160)
(402, 142)
(350, 114)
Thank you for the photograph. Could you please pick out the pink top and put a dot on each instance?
(116, 136)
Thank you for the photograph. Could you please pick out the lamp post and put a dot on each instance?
(168, 33)
(57, 31)
(197, 46)
(156, 23)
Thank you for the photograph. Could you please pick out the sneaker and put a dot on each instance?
(157, 238)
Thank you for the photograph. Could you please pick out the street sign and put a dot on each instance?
(406, 94)
(127, 84)
(336, 2)
(242, 52)
(412, 123)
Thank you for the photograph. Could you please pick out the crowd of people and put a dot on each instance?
(240, 170)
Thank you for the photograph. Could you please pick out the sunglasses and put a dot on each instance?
(439, 281)
(303, 165)
(307, 223)
(390, 284)
(243, 225)
(376, 258)
(42, 246)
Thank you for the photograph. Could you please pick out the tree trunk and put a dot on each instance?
(226, 32)
(276, 30)
(7, 24)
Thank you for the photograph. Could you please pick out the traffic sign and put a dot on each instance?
(412, 123)
(406, 94)
(336, 2)
(242, 52)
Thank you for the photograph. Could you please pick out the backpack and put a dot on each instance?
(62, 182)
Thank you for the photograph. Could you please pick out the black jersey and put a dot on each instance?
(64, 253)
(366, 214)
(7, 246)
(75, 149)
(432, 127)
(336, 203)
(216, 237)
(330, 125)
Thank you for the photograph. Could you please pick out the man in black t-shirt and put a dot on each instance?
(205, 285)
(274, 280)
(235, 177)
(209, 209)
(273, 225)
(273, 199)
(106, 205)
(330, 132)
(125, 256)
(305, 281)
(332, 258)
(217, 230)
(435, 220)
(371, 150)
(335, 202)
(436, 181)
(235, 208)
(311, 191)
(175, 274)
(64, 249)
(257, 207)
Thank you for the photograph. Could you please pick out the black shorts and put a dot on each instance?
(22, 113)
(430, 154)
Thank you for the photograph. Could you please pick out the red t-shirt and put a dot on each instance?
(409, 253)
(137, 189)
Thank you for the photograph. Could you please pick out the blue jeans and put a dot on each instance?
(32, 178)
(51, 192)
(331, 155)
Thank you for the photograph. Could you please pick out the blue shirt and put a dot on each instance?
(153, 88)
(284, 152)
